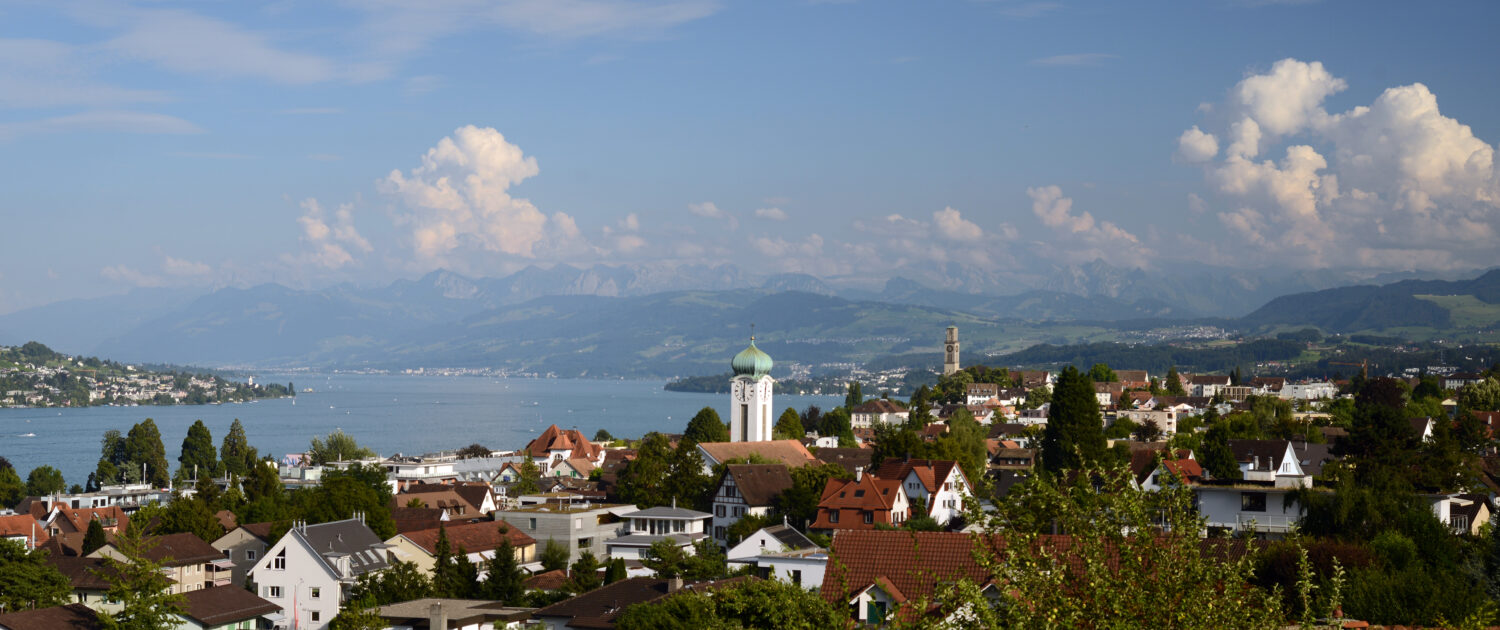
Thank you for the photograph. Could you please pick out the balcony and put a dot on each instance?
(1265, 523)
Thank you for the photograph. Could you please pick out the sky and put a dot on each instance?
(214, 143)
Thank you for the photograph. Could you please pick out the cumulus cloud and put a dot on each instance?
(773, 214)
(953, 226)
(1082, 238)
(458, 200)
(331, 238)
(1394, 184)
(710, 210)
(187, 268)
(1196, 146)
(131, 276)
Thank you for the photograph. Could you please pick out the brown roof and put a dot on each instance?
(259, 530)
(472, 492)
(175, 550)
(912, 563)
(1133, 376)
(70, 617)
(225, 604)
(850, 458)
(866, 494)
(789, 452)
(555, 439)
(599, 607)
(547, 581)
(1210, 379)
(879, 405)
(982, 389)
(23, 525)
(472, 537)
(414, 519)
(109, 517)
(445, 499)
(759, 484)
(227, 520)
(82, 573)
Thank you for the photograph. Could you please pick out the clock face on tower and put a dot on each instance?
(950, 347)
(744, 394)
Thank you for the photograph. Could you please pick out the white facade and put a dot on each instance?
(750, 408)
(1242, 508)
(1308, 391)
(292, 576)
(946, 501)
(803, 568)
(1165, 419)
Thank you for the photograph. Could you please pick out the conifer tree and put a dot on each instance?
(235, 453)
(198, 454)
(1075, 431)
(1174, 383)
(94, 538)
(505, 580)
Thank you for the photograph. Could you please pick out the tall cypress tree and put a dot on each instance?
(198, 454)
(236, 454)
(1075, 430)
(505, 581)
(143, 446)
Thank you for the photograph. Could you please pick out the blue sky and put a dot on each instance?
(210, 143)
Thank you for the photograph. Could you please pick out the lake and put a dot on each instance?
(388, 413)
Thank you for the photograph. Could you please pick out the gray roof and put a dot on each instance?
(646, 540)
(353, 538)
(790, 537)
(668, 512)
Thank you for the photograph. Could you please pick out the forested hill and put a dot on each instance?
(1409, 303)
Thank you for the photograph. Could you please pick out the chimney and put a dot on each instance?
(674, 584)
(437, 618)
(859, 473)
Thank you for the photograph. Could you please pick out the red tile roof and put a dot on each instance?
(472, 537)
(112, 518)
(547, 581)
(907, 565)
(789, 452)
(23, 525)
(555, 439)
(852, 498)
(879, 405)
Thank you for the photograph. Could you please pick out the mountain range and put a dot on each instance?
(678, 320)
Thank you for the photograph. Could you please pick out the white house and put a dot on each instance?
(1165, 419)
(876, 413)
(1272, 472)
(940, 485)
(781, 552)
(1308, 391)
(309, 570)
(682, 526)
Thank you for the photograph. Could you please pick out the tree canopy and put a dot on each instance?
(706, 427)
(1075, 431)
(337, 446)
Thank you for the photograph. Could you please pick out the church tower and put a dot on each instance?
(950, 352)
(750, 396)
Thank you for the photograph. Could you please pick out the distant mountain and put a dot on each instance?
(79, 326)
(1442, 304)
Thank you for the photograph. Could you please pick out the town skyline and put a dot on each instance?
(196, 146)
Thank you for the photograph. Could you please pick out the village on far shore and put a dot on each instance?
(866, 512)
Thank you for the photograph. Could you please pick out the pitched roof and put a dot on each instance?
(472, 537)
(879, 405)
(1210, 379)
(348, 537)
(850, 458)
(82, 573)
(547, 580)
(227, 520)
(1133, 376)
(414, 519)
(759, 484)
(789, 452)
(1269, 452)
(259, 530)
(78, 518)
(866, 494)
(225, 604)
(473, 492)
(599, 607)
(23, 525)
(980, 389)
(931, 472)
(69, 617)
(555, 439)
(176, 550)
(789, 537)
(911, 563)
(445, 499)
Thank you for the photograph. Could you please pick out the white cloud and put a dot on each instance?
(1081, 237)
(953, 226)
(773, 214)
(1392, 185)
(331, 238)
(1196, 146)
(1075, 59)
(459, 203)
(709, 210)
(131, 276)
(44, 73)
(101, 121)
(193, 44)
(181, 267)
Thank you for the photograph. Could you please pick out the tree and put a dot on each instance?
(615, 571)
(788, 426)
(473, 451)
(530, 479)
(1174, 383)
(402, 581)
(27, 580)
(191, 515)
(964, 443)
(465, 583)
(199, 457)
(1215, 455)
(585, 573)
(640, 481)
(919, 408)
(342, 493)
(1148, 431)
(44, 480)
(1101, 373)
(504, 582)
(800, 502)
(358, 615)
(603, 436)
(812, 417)
(235, 453)
(836, 424)
(94, 538)
(337, 446)
(11, 488)
(262, 481)
(1481, 396)
(139, 585)
(143, 447)
(554, 556)
(444, 576)
(1075, 433)
(706, 427)
(855, 397)
(667, 559)
(749, 604)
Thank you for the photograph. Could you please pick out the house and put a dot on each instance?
(980, 393)
(1263, 501)
(453, 505)
(225, 608)
(1011, 458)
(1108, 394)
(431, 613)
(190, 563)
(1164, 419)
(243, 546)
(780, 552)
(86, 575)
(1422, 427)
(747, 489)
(681, 526)
(878, 571)
(404, 470)
(23, 528)
(69, 617)
(1458, 380)
(850, 459)
(308, 572)
(1035, 379)
(878, 412)
(598, 609)
(1133, 379)
(1181, 467)
(789, 452)
(555, 446)
(478, 541)
(861, 502)
(1465, 513)
(1268, 385)
(1309, 391)
(577, 526)
(1207, 384)
(938, 484)
(478, 494)
(70, 520)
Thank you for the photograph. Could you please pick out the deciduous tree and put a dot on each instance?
(788, 426)
(27, 580)
(337, 446)
(44, 480)
(706, 427)
(139, 585)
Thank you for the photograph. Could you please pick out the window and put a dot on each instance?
(1252, 501)
(228, 554)
(730, 491)
(578, 523)
(869, 517)
(739, 511)
(279, 562)
(273, 591)
(315, 615)
(797, 577)
(533, 524)
(719, 511)
(316, 592)
(249, 554)
(585, 543)
(678, 526)
(833, 516)
(719, 532)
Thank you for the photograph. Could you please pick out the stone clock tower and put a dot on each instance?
(750, 396)
(950, 352)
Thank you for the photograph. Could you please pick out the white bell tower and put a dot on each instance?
(750, 391)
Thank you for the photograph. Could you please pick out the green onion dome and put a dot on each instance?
(751, 362)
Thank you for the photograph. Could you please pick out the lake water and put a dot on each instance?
(391, 414)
